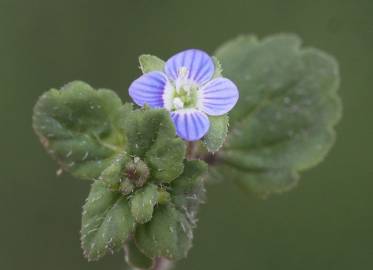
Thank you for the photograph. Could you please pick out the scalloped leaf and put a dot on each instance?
(107, 222)
(77, 126)
(284, 120)
(87, 131)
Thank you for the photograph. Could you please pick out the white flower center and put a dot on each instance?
(182, 93)
(178, 103)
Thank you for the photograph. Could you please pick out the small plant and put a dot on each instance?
(148, 165)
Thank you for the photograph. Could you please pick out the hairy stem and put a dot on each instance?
(162, 264)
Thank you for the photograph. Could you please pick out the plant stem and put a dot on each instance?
(162, 264)
(191, 150)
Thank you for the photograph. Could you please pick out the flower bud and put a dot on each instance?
(137, 172)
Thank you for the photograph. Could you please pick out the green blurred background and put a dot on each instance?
(325, 223)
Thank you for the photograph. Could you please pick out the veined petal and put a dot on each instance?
(148, 89)
(218, 96)
(199, 65)
(191, 124)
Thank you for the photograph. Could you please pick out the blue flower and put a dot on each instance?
(188, 90)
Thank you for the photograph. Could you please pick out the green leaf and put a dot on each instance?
(151, 137)
(106, 223)
(142, 203)
(169, 234)
(284, 120)
(77, 126)
(165, 159)
(218, 68)
(188, 190)
(135, 258)
(145, 126)
(89, 131)
(112, 175)
(262, 182)
(217, 133)
(150, 63)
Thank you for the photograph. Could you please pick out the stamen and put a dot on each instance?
(182, 77)
(178, 103)
(183, 73)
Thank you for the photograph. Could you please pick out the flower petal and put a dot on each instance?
(218, 96)
(199, 64)
(148, 89)
(191, 124)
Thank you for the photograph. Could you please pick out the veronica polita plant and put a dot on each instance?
(148, 163)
